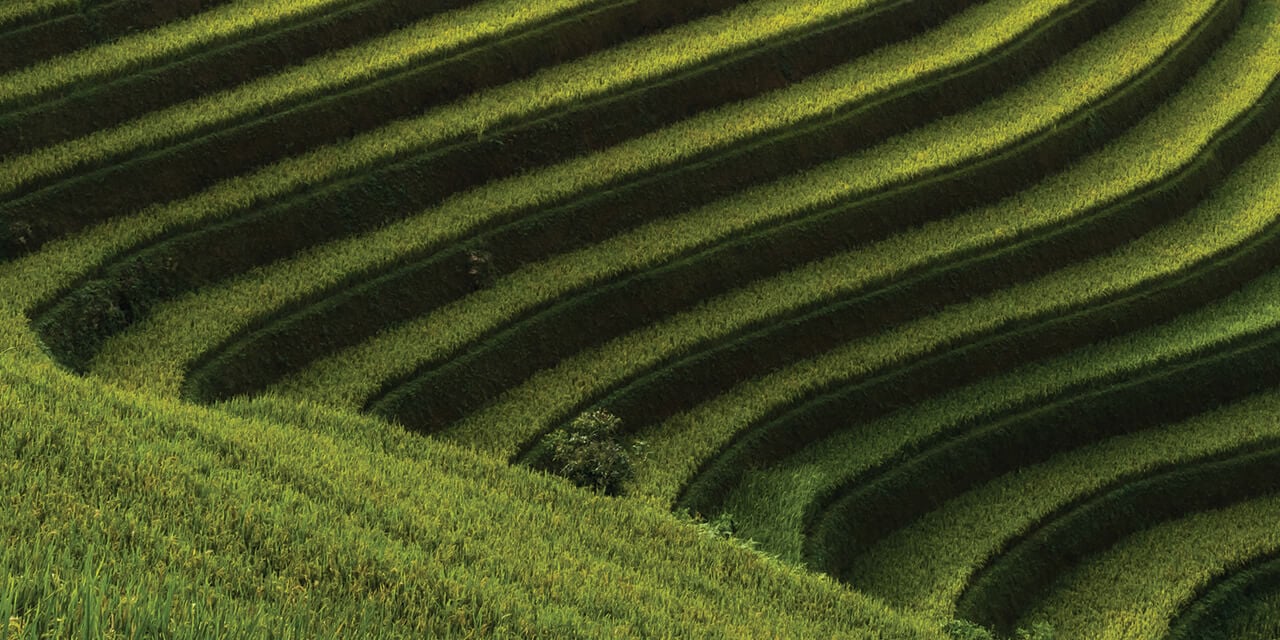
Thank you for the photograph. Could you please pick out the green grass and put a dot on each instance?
(1161, 143)
(1024, 573)
(967, 532)
(1253, 615)
(545, 232)
(1259, 622)
(560, 87)
(1158, 151)
(133, 511)
(536, 405)
(882, 165)
(1133, 590)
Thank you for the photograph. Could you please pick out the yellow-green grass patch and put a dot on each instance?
(15, 14)
(318, 530)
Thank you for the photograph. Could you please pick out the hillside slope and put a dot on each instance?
(971, 306)
(134, 516)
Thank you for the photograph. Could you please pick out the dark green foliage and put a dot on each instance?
(14, 238)
(77, 327)
(96, 311)
(590, 453)
(1038, 631)
(965, 630)
(723, 525)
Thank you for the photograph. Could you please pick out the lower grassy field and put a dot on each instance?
(136, 516)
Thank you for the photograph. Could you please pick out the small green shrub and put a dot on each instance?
(723, 525)
(590, 452)
(15, 237)
(1038, 631)
(965, 630)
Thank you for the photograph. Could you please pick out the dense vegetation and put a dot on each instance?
(851, 318)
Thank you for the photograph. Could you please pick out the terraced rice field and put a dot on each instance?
(958, 310)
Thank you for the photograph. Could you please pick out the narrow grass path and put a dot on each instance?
(18, 14)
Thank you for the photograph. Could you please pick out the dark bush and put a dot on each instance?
(590, 453)
(965, 630)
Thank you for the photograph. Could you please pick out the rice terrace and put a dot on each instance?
(918, 319)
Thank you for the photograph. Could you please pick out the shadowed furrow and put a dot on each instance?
(964, 359)
(948, 279)
(241, 26)
(882, 499)
(209, 51)
(18, 15)
(544, 400)
(211, 252)
(678, 449)
(33, 31)
(351, 373)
